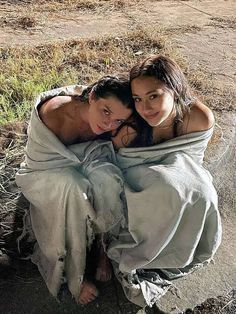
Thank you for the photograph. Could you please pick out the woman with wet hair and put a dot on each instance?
(101, 108)
(174, 224)
(67, 178)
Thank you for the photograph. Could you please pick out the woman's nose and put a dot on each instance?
(107, 124)
(147, 106)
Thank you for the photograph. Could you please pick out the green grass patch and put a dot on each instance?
(27, 72)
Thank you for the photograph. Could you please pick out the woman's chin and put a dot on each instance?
(153, 123)
(97, 130)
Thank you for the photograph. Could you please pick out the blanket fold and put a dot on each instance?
(64, 184)
(173, 220)
(159, 207)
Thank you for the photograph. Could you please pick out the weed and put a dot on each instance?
(223, 23)
(24, 22)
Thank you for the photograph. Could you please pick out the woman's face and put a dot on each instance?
(107, 114)
(153, 101)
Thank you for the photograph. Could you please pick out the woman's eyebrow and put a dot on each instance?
(149, 92)
(108, 108)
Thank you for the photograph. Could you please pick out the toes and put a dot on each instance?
(86, 300)
(88, 293)
(93, 292)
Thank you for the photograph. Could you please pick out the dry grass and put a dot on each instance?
(12, 140)
(27, 72)
(58, 5)
(16, 14)
(221, 305)
(104, 4)
(24, 22)
(182, 29)
(223, 23)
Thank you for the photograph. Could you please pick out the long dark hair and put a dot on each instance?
(167, 71)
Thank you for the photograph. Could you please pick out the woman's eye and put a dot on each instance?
(153, 97)
(106, 112)
(120, 121)
(137, 99)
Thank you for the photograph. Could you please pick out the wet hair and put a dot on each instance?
(117, 86)
(168, 72)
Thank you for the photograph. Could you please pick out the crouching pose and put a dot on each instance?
(174, 225)
(66, 209)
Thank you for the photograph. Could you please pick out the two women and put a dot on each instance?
(167, 219)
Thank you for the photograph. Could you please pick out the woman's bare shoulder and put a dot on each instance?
(53, 104)
(200, 118)
(124, 137)
(51, 112)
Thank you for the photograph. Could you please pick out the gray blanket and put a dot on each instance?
(173, 220)
(172, 224)
(64, 185)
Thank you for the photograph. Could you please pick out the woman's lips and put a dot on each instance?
(100, 129)
(151, 116)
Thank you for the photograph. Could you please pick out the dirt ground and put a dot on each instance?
(203, 31)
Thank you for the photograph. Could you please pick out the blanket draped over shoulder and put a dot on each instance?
(173, 220)
(63, 185)
(167, 225)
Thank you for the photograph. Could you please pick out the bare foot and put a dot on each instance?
(104, 270)
(88, 292)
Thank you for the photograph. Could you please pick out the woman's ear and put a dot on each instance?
(91, 96)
